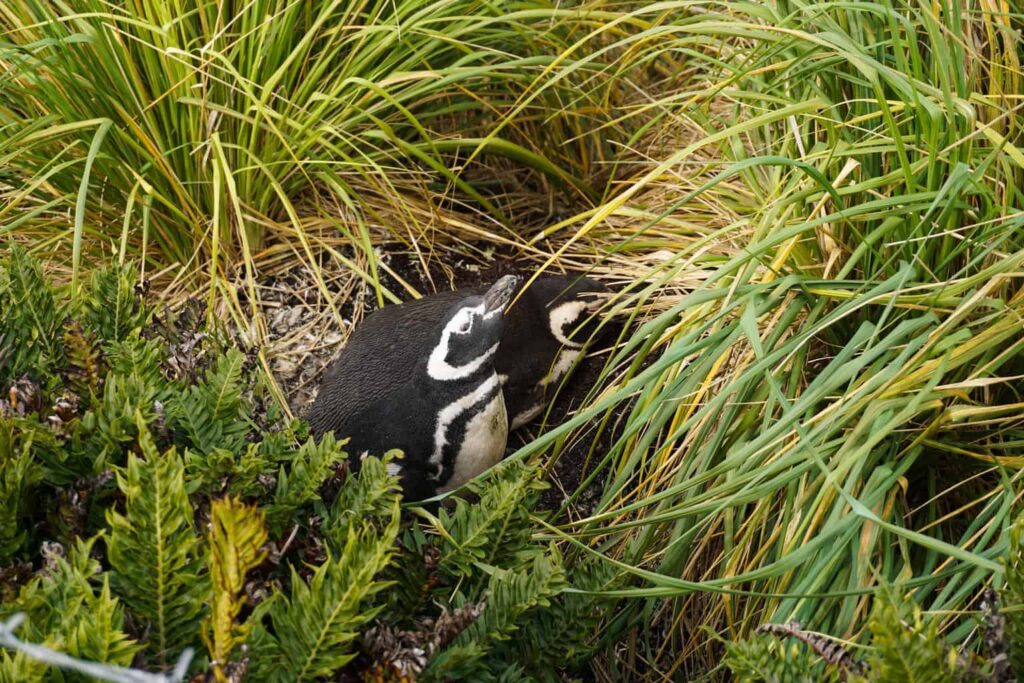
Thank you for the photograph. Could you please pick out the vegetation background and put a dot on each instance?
(810, 210)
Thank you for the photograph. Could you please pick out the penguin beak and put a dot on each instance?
(595, 301)
(500, 293)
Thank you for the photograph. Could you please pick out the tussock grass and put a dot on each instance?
(833, 401)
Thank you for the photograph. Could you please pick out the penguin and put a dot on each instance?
(420, 376)
(546, 332)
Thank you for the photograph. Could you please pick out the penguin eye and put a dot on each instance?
(464, 325)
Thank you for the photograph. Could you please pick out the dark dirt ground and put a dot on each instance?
(304, 340)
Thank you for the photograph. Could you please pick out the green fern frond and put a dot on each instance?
(136, 356)
(906, 647)
(84, 367)
(237, 534)
(153, 549)
(495, 527)
(369, 497)
(565, 633)
(311, 632)
(112, 310)
(511, 594)
(211, 414)
(19, 473)
(511, 598)
(764, 659)
(1012, 595)
(67, 612)
(31, 318)
(299, 484)
(110, 427)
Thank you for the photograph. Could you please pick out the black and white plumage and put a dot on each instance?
(408, 379)
(420, 377)
(546, 330)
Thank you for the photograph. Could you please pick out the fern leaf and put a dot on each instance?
(31, 319)
(237, 534)
(65, 612)
(112, 310)
(312, 631)
(136, 356)
(210, 415)
(19, 473)
(368, 497)
(153, 549)
(495, 526)
(762, 659)
(298, 485)
(84, 370)
(511, 596)
(1013, 594)
(109, 428)
(906, 648)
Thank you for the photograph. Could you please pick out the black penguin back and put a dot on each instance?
(383, 355)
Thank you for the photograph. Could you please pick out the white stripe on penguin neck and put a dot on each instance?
(438, 366)
(562, 315)
(451, 411)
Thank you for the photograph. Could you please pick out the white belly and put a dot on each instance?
(484, 443)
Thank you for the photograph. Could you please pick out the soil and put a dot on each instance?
(303, 339)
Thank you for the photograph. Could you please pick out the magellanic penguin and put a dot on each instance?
(546, 330)
(420, 377)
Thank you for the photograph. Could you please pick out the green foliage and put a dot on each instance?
(19, 473)
(210, 414)
(113, 310)
(31, 319)
(299, 485)
(154, 551)
(1013, 594)
(768, 660)
(304, 579)
(906, 648)
(237, 535)
(493, 527)
(309, 633)
(71, 608)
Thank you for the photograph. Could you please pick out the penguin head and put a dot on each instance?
(570, 304)
(470, 332)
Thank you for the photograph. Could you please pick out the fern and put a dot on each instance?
(66, 612)
(562, 633)
(84, 369)
(311, 632)
(497, 526)
(510, 596)
(298, 485)
(31, 319)
(1013, 594)
(237, 534)
(109, 428)
(906, 648)
(766, 660)
(153, 549)
(139, 357)
(367, 498)
(211, 414)
(112, 309)
(19, 474)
